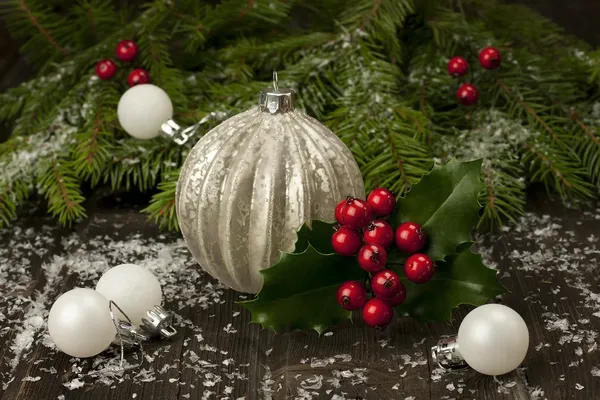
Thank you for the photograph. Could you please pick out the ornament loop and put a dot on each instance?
(181, 135)
(275, 81)
(447, 355)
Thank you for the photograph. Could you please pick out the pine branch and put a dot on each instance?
(12, 196)
(60, 187)
(93, 148)
(162, 206)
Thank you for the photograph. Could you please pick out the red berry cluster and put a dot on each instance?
(364, 232)
(489, 58)
(126, 51)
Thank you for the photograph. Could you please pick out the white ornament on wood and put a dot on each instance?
(80, 324)
(135, 289)
(250, 183)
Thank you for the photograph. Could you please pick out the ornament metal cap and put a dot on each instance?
(447, 355)
(277, 101)
(128, 335)
(159, 321)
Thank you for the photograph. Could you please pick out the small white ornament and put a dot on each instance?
(250, 183)
(79, 323)
(143, 109)
(493, 339)
(135, 289)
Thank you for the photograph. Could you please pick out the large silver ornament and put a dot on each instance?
(250, 183)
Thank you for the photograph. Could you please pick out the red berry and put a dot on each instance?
(382, 202)
(467, 94)
(346, 241)
(338, 210)
(372, 257)
(410, 237)
(379, 232)
(386, 284)
(458, 66)
(398, 298)
(106, 69)
(356, 213)
(351, 295)
(126, 50)
(377, 313)
(489, 58)
(138, 77)
(419, 268)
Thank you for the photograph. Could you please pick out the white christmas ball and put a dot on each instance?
(79, 323)
(135, 290)
(143, 109)
(493, 339)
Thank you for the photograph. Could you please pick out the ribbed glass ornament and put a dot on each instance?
(250, 183)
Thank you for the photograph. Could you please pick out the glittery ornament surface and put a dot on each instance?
(249, 185)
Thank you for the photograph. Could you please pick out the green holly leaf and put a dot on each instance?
(461, 279)
(445, 204)
(319, 236)
(299, 292)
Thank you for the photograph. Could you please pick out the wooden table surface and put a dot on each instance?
(548, 261)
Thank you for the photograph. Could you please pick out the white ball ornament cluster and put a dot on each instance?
(493, 339)
(142, 110)
(80, 321)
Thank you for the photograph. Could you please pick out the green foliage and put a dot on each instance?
(460, 279)
(445, 203)
(373, 71)
(299, 292)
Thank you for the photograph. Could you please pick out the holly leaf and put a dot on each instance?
(461, 279)
(445, 204)
(319, 236)
(299, 292)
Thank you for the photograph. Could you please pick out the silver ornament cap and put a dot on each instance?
(128, 335)
(447, 355)
(277, 101)
(159, 321)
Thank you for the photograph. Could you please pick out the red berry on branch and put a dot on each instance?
(467, 94)
(458, 66)
(377, 313)
(356, 213)
(106, 69)
(372, 257)
(351, 295)
(410, 237)
(489, 58)
(382, 202)
(386, 284)
(419, 268)
(379, 232)
(138, 77)
(346, 241)
(126, 50)
(338, 211)
(399, 298)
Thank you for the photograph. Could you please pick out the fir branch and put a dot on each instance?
(60, 187)
(162, 208)
(12, 196)
(36, 22)
(556, 172)
(92, 148)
